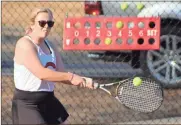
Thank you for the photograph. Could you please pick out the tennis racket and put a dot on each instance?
(147, 97)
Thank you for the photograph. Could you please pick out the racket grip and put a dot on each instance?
(96, 85)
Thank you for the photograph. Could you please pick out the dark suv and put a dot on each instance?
(163, 65)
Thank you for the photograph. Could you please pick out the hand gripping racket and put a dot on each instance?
(147, 97)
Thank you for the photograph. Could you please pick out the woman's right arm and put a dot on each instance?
(26, 54)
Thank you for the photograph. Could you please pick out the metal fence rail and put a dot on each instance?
(92, 106)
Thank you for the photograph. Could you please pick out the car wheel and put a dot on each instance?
(164, 65)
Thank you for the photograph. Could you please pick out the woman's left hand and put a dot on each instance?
(88, 83)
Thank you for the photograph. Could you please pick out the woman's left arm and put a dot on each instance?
(60, 67)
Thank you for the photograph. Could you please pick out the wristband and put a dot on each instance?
(72, 77)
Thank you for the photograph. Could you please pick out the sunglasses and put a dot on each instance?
(42, 23)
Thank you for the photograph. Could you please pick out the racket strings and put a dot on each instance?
(145, 98)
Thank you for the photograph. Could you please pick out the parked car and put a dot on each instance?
(163, 65)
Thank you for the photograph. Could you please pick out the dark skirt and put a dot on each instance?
(37, 108)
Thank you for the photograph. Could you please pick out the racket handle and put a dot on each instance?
(96, 85)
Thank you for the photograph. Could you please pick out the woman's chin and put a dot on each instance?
(44, 35)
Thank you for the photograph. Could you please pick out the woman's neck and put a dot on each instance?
(37, 40)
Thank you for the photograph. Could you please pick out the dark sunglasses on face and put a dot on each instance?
(42, 23)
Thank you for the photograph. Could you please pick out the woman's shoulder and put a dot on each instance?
(24, 40)
(25, 43)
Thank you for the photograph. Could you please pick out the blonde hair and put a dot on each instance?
(33, 16)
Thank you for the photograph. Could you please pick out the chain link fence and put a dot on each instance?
(93, 106)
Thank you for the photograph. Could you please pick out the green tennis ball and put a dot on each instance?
(140, 6)
(137, 81)
(124, 6)
(119, 24)
(108, 41)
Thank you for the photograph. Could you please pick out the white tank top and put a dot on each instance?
(27, 81)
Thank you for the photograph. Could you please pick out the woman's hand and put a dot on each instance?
(81, 81)
(76, 79)
(88, 82)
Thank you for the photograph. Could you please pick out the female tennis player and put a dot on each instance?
(37, 66)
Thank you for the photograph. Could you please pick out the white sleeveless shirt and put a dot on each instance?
(27, 81)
